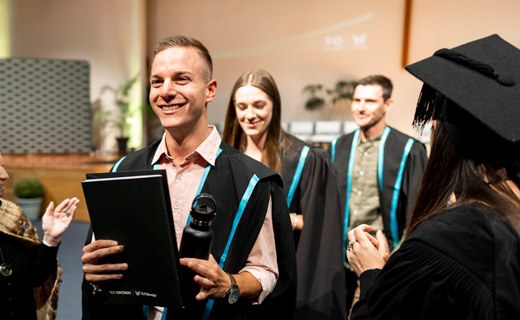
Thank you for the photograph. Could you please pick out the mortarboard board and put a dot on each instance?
(481, 81)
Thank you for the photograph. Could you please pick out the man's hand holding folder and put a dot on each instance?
(96, 251)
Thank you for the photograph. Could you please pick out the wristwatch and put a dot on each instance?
(234, 292)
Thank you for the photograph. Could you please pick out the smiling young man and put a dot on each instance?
(252, 258)
(379, 169)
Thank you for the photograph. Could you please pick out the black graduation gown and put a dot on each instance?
(319, 254)
(464, 264)
(227, 182)
(31, 267)
(395, 153)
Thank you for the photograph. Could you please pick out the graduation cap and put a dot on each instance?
(479, 83)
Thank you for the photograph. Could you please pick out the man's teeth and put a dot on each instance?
(168, 108)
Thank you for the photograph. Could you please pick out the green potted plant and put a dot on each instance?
(29, 196)
(343, 90)
(121, 96)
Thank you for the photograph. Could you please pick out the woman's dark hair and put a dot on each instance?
(449, 171)
(233, 133)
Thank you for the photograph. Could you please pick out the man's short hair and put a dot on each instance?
(186, 42)
(384, 82)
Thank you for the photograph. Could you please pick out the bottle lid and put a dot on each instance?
(204, 207)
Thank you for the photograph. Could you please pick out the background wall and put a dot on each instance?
(45, 106)
(108, 34)
(302, 42)
(299, 41)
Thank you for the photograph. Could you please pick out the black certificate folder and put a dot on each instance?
(133, 208)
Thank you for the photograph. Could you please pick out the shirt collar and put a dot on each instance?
(207, 150)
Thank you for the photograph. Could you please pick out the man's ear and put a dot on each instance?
(211, 90)
(389, 103)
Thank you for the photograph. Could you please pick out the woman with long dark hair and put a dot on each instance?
(461, 256)
(253, 126)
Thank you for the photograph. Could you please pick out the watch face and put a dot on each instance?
(234, 293)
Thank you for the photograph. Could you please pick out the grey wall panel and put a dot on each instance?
(45, 106)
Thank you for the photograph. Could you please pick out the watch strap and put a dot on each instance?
(233, 281)
(233, 292)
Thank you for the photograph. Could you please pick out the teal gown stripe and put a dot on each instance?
(381, 157)
(243, 203)
(114, 169)
(297, 174)
(397, 189)
(333, 148)
(349, 185)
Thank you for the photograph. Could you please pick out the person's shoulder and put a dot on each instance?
(454, 218)
(465, 223)
(318, 153)
(417, 148)
(475, 237)
(300, 144)
(241, 163)
(403, 136)
(6, 205)
(346, 136)
(344, 139)
(296, 146)
(141, 158)
(11, 216)
(481, 215)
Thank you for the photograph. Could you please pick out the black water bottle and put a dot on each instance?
(196, 242)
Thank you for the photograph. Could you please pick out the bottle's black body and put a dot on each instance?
(196, 242)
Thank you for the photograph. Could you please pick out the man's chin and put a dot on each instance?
(177, 128)
(363, 124)
(168, 124)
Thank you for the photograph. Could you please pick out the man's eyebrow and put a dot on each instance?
(183, 72)
(175, 74)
